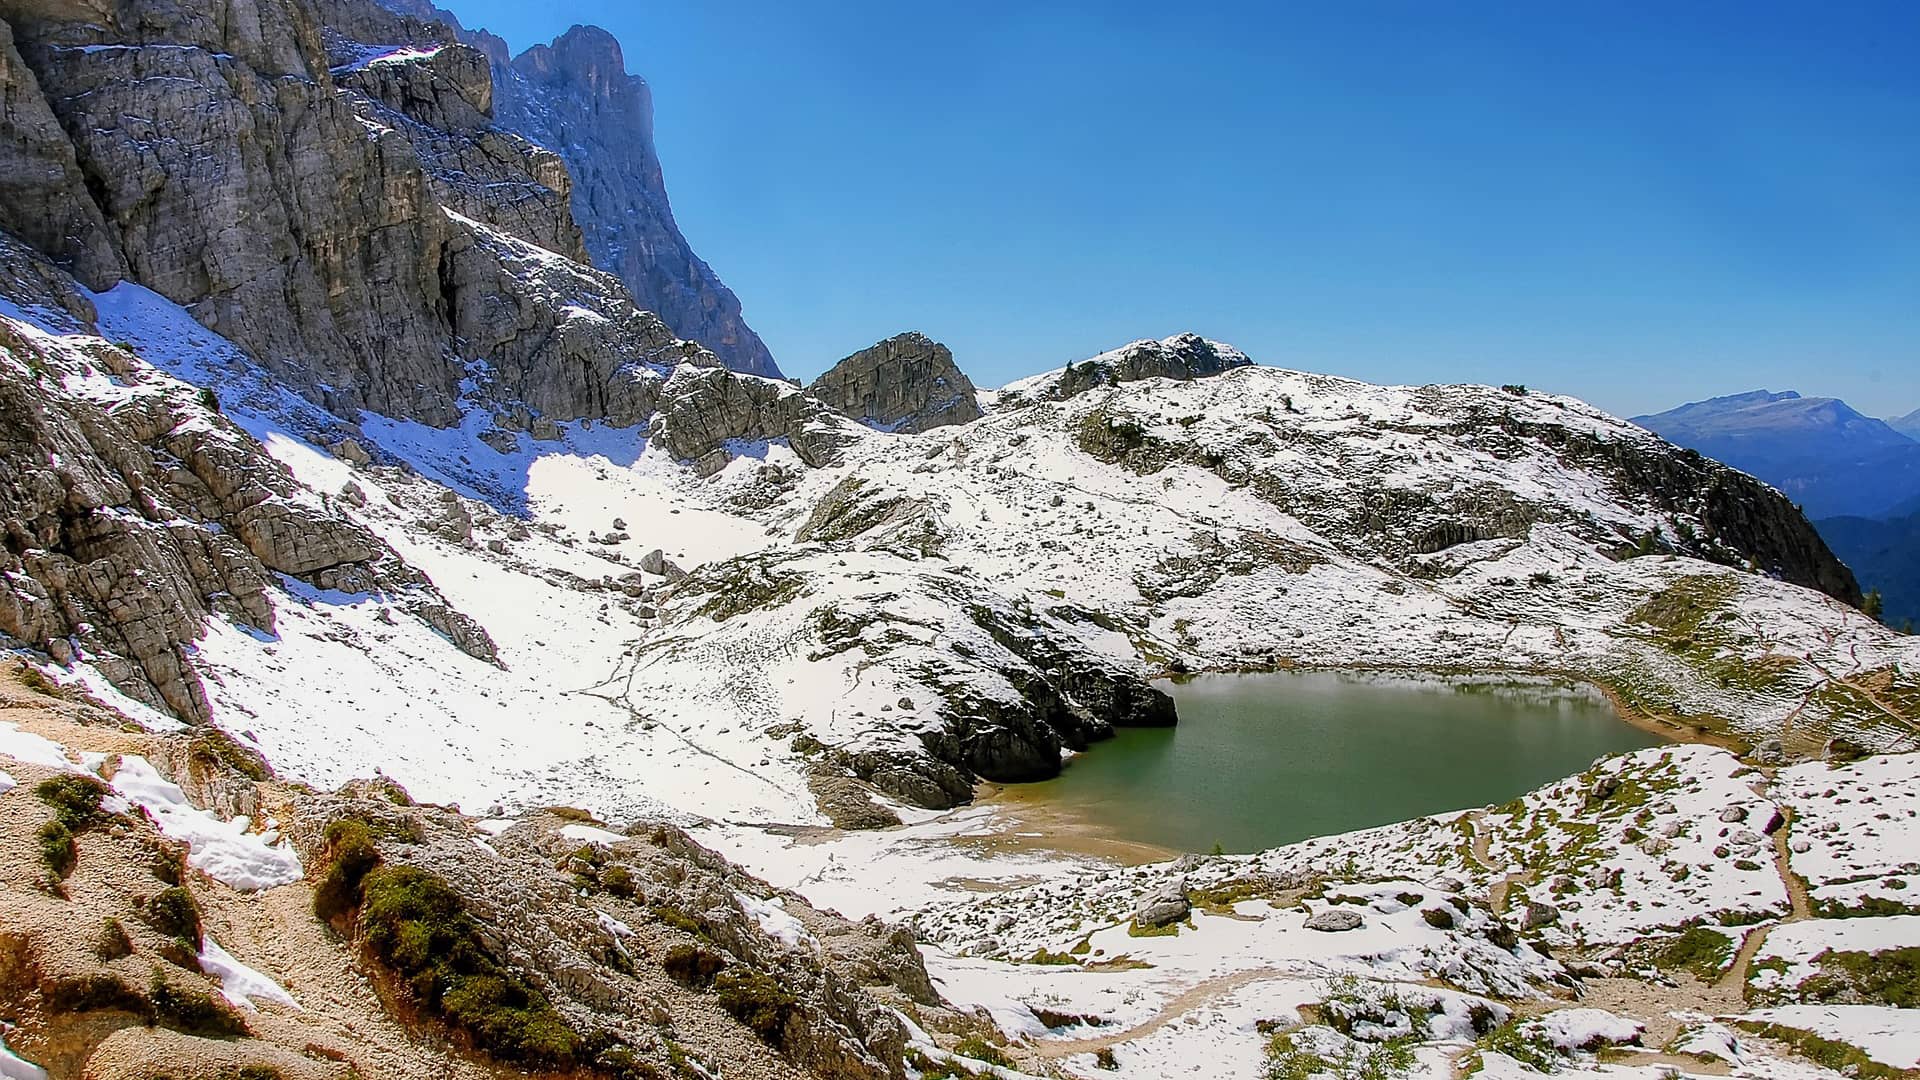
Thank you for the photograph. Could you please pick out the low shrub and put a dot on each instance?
(32, 678)
(192, 1012)
(173, 912)
(691, 965)
(617, 880)
(212, 747)
(98, 992)
(1524, 1042)
(350, 856)
(112, 943)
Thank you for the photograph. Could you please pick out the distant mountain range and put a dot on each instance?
(1908, 425)
(1857, 477)
(1824, 454)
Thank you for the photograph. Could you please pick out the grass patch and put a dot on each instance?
(1838, 1056)
(35, 680)
(55, 842)
(417, 926)
(930, 1069)
(1172, 929)
(1286, 1060)
(1862, 907)
(75, 800)
(1699, 950)
(1891, 977)
(757, 1000)
(211, 747)
(979, 1049)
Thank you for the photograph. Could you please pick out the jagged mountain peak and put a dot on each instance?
(575, 96)
(584, 53)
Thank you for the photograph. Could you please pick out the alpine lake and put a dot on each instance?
(1261, 760)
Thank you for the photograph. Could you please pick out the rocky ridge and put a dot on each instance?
(907, 383)
(359, 261)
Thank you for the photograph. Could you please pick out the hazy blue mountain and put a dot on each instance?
(1908, 425)
(1884, 555)
(1823, 453)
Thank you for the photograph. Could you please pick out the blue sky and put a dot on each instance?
(1637, 203)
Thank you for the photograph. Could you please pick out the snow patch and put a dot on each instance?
(774, 920)
(240, 984)
(223, 850)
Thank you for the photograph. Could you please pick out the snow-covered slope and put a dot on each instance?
(535, 554)
(910, 612)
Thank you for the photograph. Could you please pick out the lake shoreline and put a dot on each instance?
(1254, 788)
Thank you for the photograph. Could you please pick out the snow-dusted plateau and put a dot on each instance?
(427, 660)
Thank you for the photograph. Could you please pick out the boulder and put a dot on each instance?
(1164, 905)
(1538, 915)
(1336, 920)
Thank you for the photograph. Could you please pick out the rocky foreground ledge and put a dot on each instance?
(171, 907)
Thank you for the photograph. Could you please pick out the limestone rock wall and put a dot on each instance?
(131, 513)
(575, 96)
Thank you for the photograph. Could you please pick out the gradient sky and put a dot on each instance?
(1637, 203)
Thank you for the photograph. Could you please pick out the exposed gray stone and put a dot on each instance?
(1336, 920)
(907, 383)
(1166, 904)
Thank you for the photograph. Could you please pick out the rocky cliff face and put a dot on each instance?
(321, 182)
(575, 95)
(133, 512)
(907, 383)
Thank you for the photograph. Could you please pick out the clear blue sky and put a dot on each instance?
(1637, 203)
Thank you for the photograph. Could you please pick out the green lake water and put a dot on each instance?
(1267, 759)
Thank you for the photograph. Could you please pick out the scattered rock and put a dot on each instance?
(1335, 920)
(1537, 915)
